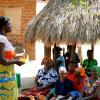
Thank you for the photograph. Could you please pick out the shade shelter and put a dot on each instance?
(62, 22)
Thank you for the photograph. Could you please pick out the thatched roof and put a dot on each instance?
(60, 21)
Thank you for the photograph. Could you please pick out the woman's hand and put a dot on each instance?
(19, 63)
(24, 58)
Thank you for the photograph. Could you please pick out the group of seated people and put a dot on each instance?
(68, 83)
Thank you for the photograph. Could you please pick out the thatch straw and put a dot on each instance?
(62, 22)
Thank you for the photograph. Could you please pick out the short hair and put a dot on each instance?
(69, 47)
(58, 48)
(3, 21)
(89, 51)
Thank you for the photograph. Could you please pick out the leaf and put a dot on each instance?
(74, 2)
(79, 2)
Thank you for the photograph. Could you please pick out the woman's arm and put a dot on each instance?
(52, 84)
(5, 62)
(36, 80)
(47, 86)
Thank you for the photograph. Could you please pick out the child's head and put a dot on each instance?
(71, 67)
(94, 72)
(58, 50)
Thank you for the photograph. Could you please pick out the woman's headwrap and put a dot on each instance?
(62, 69)
(46, 60)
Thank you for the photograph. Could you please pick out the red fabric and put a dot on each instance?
(34, 91)
(9, 54)
(78, 85)
(70, 76)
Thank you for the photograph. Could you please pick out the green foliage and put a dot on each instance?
(79, 2)
(74, 2)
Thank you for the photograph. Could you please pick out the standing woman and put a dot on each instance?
(8, 85)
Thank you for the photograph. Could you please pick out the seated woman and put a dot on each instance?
(94, 76)
(45, 79)
(47, 76)
(94, 81)
(88, 87)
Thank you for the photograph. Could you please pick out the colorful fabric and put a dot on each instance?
(89, 90)
(79, 84)
(35, 91)
(81, 71)
(80, 80)
(9, 55)
(8, 85)
(47, 77)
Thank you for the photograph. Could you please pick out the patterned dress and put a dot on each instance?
(8, 85)
(47, 77)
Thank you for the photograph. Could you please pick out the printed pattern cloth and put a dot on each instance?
(8, 85)
(47, 77)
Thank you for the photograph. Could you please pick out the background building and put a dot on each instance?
(20, 13)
